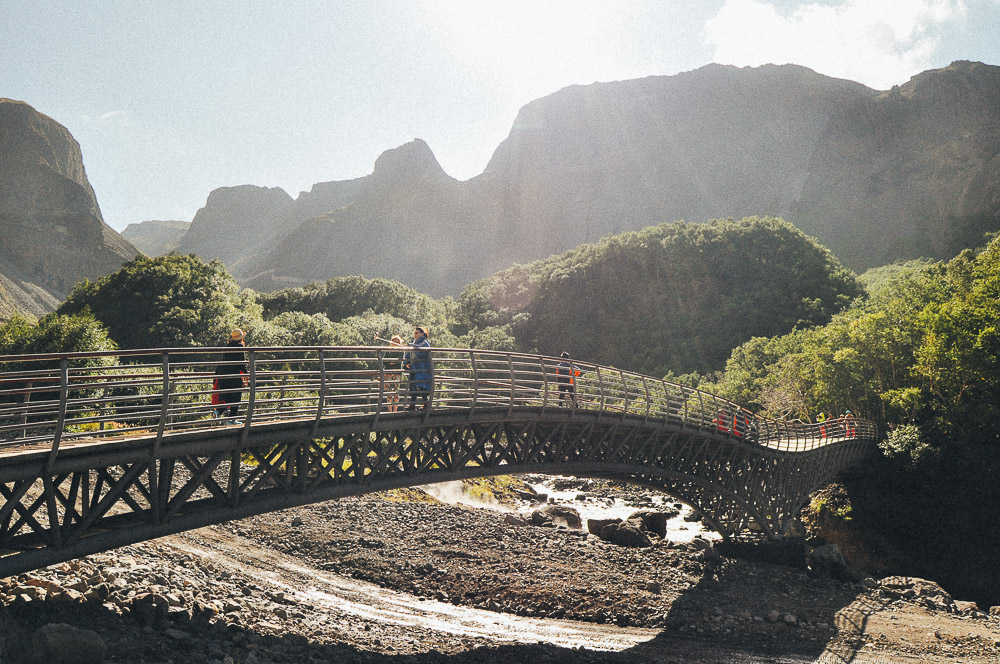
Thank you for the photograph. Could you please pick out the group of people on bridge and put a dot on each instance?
(740, 422)
(232, 375)
(844, 425)
(416, 363)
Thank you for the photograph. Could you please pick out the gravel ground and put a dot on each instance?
(373, 579)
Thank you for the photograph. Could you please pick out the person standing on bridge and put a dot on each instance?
(850, 425)
(390, 376)
(566, 373)
(418, 365)
(231, 376)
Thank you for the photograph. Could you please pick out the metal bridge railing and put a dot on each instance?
(53, 400)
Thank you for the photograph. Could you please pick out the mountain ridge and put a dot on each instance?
(876, 176)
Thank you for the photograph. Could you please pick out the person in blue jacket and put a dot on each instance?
(418, 364)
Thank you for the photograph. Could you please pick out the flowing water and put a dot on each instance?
(679, 529)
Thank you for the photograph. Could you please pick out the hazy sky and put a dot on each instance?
(172, 100)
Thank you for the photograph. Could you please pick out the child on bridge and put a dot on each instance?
(418, 364)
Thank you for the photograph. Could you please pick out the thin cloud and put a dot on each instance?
(117, 117)
(880, 44)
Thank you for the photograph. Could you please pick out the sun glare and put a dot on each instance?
(534, 46)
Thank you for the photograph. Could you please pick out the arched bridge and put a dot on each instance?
(99, 450)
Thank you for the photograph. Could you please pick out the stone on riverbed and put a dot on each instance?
(59, 642)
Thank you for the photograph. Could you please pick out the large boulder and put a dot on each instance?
(910, 587)
(65, 644)
(595, 526)
(654, 521)
(562, 513)
(626, 533)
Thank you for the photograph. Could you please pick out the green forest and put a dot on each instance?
(751, 309)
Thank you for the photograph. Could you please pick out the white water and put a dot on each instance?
(678, 530)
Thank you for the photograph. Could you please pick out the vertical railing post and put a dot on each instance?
(251, 398)
(513, 388)
(430, 392)
(61, 419)
(380, 358)
(684, 397)
(27, 407)
(645, 390)
(281, 391)
(475, 382)
(322, 392)
(600, 387)
(164, 403)
(545, 383)
(621, 374)
(101, 410)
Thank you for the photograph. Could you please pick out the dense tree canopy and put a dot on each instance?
(922, 350)
(675, 297)
(170, 301)
(921, 355)
(54, 333)
(342, 297)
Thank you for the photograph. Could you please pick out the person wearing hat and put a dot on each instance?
(231, 376)
(850, 424)
(418, 364)
(566, 373)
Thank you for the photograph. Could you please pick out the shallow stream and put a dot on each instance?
(680, 528)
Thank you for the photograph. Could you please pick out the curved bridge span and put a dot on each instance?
(99, 450)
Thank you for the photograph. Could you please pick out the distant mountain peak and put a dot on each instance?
(240, 193)
(411, 160)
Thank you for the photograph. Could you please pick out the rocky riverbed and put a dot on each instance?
(385, 578)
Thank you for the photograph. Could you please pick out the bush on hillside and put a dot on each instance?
(344, 297)
(54, 333)
(168, 302)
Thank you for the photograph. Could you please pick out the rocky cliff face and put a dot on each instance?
(914, 171)
(717, 142)
(875, 176)
(236, 223)
(52, 233)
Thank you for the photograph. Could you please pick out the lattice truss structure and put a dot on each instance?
(95, 499)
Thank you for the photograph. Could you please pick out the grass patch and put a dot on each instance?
(503, 489)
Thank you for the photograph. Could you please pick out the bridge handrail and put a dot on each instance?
(51, 399)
